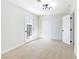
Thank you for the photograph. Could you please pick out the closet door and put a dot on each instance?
(66, 29)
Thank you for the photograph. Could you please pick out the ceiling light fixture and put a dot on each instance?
(47, 4)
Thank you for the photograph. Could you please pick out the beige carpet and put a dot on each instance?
(41, 49)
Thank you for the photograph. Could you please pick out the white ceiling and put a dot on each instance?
(62, 7)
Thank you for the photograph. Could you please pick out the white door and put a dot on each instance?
(66, 29)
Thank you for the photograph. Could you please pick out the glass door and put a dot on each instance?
(28, 28)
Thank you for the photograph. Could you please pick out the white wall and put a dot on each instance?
(13, 25)
(51, 27)
(35, 27)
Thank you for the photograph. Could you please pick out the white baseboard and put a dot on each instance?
(12, 48)
(50, 38)
(3, 52)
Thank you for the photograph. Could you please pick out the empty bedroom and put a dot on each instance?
(38, 29)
